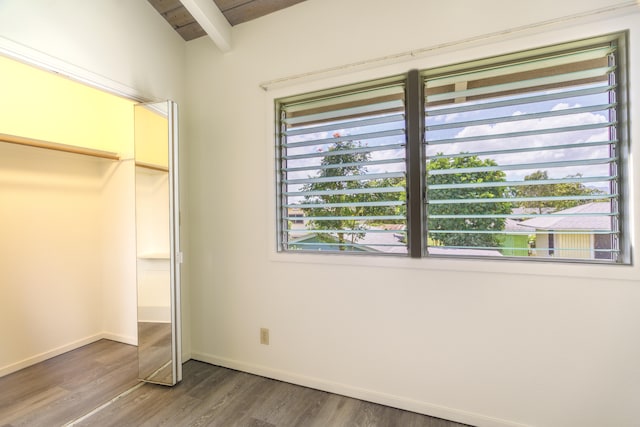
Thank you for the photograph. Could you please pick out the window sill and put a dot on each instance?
(476, 265)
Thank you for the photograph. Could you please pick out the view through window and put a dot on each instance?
(343, 171)
(523, 156)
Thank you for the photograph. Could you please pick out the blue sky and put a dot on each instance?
(543, 141)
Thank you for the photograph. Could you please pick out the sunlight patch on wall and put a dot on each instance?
(41, 105)
(151, 126)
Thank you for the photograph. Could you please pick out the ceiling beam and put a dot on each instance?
(212, 21)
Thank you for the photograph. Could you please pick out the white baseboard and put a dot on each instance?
(6, 370)
(400, 402)
(25, 363)
(120, 338)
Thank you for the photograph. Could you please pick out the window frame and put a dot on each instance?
(297, 102)
(417, 241)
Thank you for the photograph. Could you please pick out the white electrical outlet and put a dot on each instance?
(264, 336)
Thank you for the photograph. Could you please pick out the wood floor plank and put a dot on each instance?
(33, 403)
(126, 411)
(233, 404)
(69, 386)
(336, 411)
(292, 404)
(213, 396)
(201, 380)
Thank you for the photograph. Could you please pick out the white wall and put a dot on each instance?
(118, 252)
(125, 42)
(486, 343)
(122, 45)
(50, 256)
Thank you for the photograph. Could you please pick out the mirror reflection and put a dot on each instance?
(156, 325)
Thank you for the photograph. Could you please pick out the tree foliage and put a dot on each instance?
(549, 190)
(472, 192)
(345, 165)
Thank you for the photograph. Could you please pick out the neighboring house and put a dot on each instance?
(514, 243)
(518, 236)
(560, 235)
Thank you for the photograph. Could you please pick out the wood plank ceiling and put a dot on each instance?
(236, 12)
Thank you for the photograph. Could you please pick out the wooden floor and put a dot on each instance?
(65, 388)
(154, 357)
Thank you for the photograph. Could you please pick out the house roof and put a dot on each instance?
(562, 220)
(516, 225)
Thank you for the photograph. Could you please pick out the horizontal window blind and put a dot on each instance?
(523, 157)
(518, 156)
(342, 164)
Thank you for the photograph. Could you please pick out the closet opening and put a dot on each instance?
(67, 220)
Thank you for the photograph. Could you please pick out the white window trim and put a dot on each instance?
(527, 39)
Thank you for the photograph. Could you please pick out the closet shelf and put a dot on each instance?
(154, 255)
(58, 147)
(152, 166)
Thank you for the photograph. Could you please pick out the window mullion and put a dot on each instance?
(415, 164)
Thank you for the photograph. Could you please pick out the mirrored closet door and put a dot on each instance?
(157, 242)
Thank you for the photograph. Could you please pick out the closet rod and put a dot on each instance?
(58, 147)
(152, 166)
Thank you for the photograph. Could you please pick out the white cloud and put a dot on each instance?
(542, 141)
(450, 118)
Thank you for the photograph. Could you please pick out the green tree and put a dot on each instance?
(549, 190)
(381, 197)
(472, 192)
(346, 165)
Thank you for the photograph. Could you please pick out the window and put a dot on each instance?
(525, 149)
(519, 156)
(342, 165)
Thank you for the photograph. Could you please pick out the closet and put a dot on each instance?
(68, 258)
